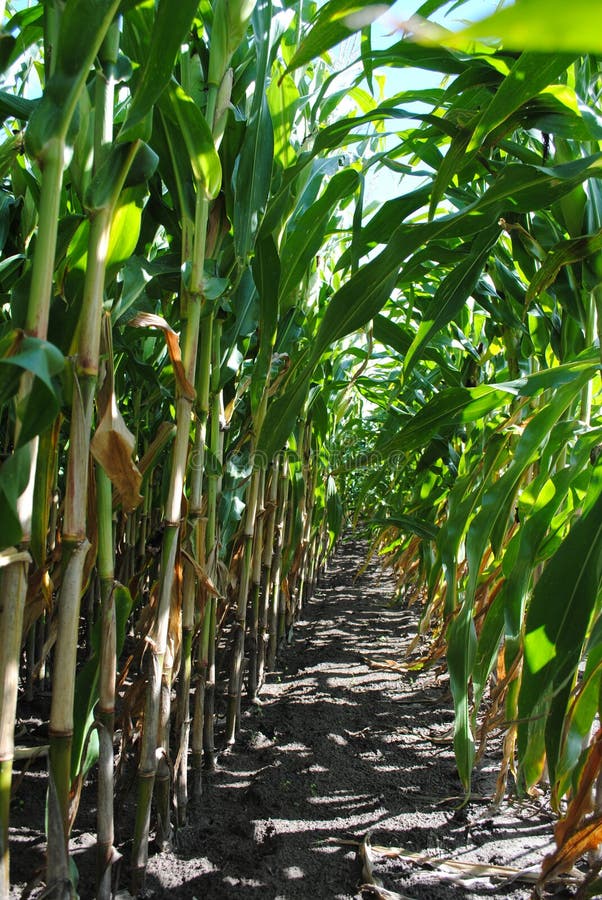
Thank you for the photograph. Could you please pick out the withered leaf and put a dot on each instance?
(113, 447)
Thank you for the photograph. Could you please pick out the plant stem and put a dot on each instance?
(76, 493)
(211, 544)
(199, 540)
(106, 705)
(61, 711)
(238, 651)
(147, 765)
(267, 558)
(253, 678)
(13, 583)
(192, 301)
(591, 327)
(274, 615)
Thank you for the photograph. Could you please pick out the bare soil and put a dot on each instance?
(337, 749)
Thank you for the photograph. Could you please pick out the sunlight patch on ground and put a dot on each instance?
(243, 882)
(362, 800)
(327, 848)
(337, 739)
(293, 872)
(319, 698)
(337, 823)
(233, 784)
(294, 747)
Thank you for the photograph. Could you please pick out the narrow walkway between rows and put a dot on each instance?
(338, 748)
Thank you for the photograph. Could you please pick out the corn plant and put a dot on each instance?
(202, 298)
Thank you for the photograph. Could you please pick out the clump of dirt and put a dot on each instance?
(341, 746)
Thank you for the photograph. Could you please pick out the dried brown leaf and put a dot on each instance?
(163, 434)
(150, 320)
(581, 803)
(373, 885)
(204, 579)
(463, 869)
(113, 447)
(587, 838)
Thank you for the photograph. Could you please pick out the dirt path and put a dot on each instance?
(338, 749)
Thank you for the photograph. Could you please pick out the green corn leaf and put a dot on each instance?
(193, 128)
(461, 650)
(7, 46)
(393, 335)
(14, 477)
(16, 107)
(306, 234)
(340, 132)
(530, 74)
(171, 25)
(499, 497)
(562, 254)
(566, 675)
(454, 406)
(45, 362)
(230, 19)
(123, 237)
(407, 524)
(120, 166)
(254, 173)
(432, 58)
(580, 716)
(391, 214)
(174, 166)
(544, 26)
(355, 304)
(451, 163)
(27, 24)
(367, 62)
(463, 499)
(266, 275)
(462, 643)
(283, 101)
(518, 188)
(142, 167)
(253, 180)
(136, 274)
(334, 510)
(556, 625)
(358, 300)
(43, 490)
(283, 413)
(84, 24)
(451, 295)
(506, 612)
(335, 21)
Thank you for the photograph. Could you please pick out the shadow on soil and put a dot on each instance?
(335, 750)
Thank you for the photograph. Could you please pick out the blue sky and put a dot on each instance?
(471, 11)
(381, 184)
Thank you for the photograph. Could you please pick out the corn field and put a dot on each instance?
(265, 275)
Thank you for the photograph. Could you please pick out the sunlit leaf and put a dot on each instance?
(335, 21)
(538, 25)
